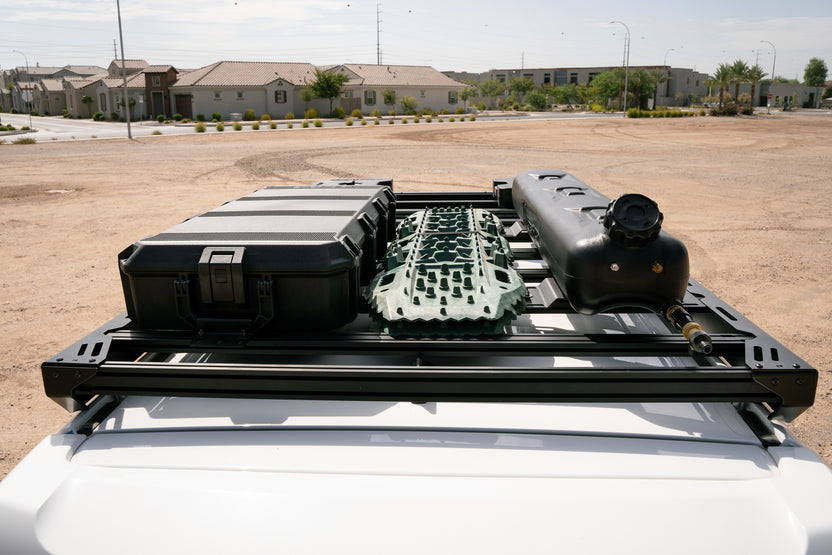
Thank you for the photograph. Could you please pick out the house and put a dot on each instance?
(49, 97)
(109, 95)
(76, 89)
(368, 82)
(234, 87)
(130, 67)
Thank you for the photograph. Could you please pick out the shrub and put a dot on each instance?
(248, 115)
(98, 116)
(214, 120)
(443, 111)
(24, 141)
(157, 132)
(376, 121)
(220, 126)
(441, 120)
(200, 117)
(481, 106)
(363, 121)
(376, 113)
(266, 117)
(66, 114)
(255, 126)
(428, 119)
(459, 110)
(416, 119)
(238, 126)
(290, 125)
(451, 118)
(310, 113)
(472, 117)
(113, 116)
(318, 123)
(199, 127)
(160, 118)
(409, 104)
(289, 115)
(349, 121)
(187, 120)
(177, 116)
(701, 112)
(272, 125)
(33, 113)
(633, 113)
(305, 124)
(339, 113)
(391, 121)
(392, 113)
(747, 110)
(727, 110)
(25, 128)
(216, 116)
(357, 113)
(404, 120)
(425, 112)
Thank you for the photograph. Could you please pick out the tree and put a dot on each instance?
(815, 73)
(466, 94)
(87, 99)
(722, 78)
(607, 85)
(659, 76)
(640, 86)
(328, 84)
(536, 98)
(306, 96)
(566, 93)
(389, 96)
(492, 88)
(755, 75)
(409, 104)
(521, 85)
(739, 69)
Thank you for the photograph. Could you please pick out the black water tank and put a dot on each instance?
(603, 254)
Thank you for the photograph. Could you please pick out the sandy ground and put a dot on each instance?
(748, 196)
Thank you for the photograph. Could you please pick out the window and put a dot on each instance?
(501, 78)
(547, 78)
(280, 97)
(528, 76)
(347, 94)
(592, 76)
(573, 78)
(369, 98)
(239, 95)
(421, 94)
(451, 97)
(217, 95)
(157, 81)
(697, 82)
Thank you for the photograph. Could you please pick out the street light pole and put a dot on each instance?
(626, 63)
(773, 63)
(124, 72)
(29, 78)
(667, 83)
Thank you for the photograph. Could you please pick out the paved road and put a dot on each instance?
(62, 129)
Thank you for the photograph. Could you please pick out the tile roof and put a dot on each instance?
(158, 69)
(371, 75)
(247, 74)
(134, 80)
(84, 70)
(132, 64)
(81, 82)
(52, 85)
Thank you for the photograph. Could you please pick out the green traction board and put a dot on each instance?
(448, 273)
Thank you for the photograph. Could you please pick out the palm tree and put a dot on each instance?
(659, 76)
(87, 99)
(755, 75)
(722, 78)
(739, 71)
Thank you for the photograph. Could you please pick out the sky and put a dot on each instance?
(447, 35)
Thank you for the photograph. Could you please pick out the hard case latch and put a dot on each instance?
(221, 277)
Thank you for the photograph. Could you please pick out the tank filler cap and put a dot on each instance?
(633, 220)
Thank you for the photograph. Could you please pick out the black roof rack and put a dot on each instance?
(549, 354)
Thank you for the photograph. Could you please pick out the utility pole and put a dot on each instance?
(626, 63)
(772, 72)
(378, 33)
(29, 87)
(124, 72)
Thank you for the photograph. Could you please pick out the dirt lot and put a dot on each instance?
(748, 196)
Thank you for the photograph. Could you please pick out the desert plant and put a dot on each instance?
(459, 110)
(65, 113)
(238, 126)
(272, 125)
(199, 127)
(416, 119)
(25, 128)
(328, 84)
(290, 125)
(363, 121)
(310, 113)
(349, 121)
(392, 113)
(376, 113)
(266, 117)
(289, 115)
(391, 121)
(157, 132)
(177, 116)
(187, 120)
(255, 126)
(304, 124)
(428, 119)
(404, 120)
(216, 116)
(24, 141)
(249, 115)
(357, 113)
(339, 113)
(87, 99)
(443, 111)
(98, 116)
(220, 126)
(160, 118)
(113, 116)
(701, 112)
(376, 121)
(318, 123)
(408, 104)
(451, 118)
(472, 117)
(441, 120)
(200, 117)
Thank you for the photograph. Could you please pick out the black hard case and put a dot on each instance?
(564, 218)
(280, 258)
